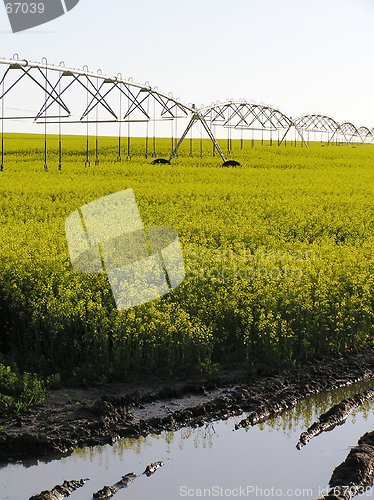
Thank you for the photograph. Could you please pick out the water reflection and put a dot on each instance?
(263, 456)
(301, 416)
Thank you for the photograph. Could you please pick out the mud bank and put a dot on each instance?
(337, 415)
(356, 473)
(125, 481)
(73, 418)
(110, 491)
(60, 491)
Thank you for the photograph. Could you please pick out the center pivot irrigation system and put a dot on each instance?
(60, 97)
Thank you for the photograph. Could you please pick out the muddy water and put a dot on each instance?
(209, 462)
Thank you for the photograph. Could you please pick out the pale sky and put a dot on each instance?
(298, 55)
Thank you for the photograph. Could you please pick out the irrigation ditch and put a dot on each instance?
(76, 418)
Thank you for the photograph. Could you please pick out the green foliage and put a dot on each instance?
(208, 367)
(19, 391)
(53, 381)
(278, 254)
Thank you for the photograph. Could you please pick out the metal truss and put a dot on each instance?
(350, 131)
(64, 95)
(197, 117)
(56, 82)
(366, 134)
(320, 123)
(243, 115)
(56, 91)
(103, 99)
(326, 124)
(317, 123)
